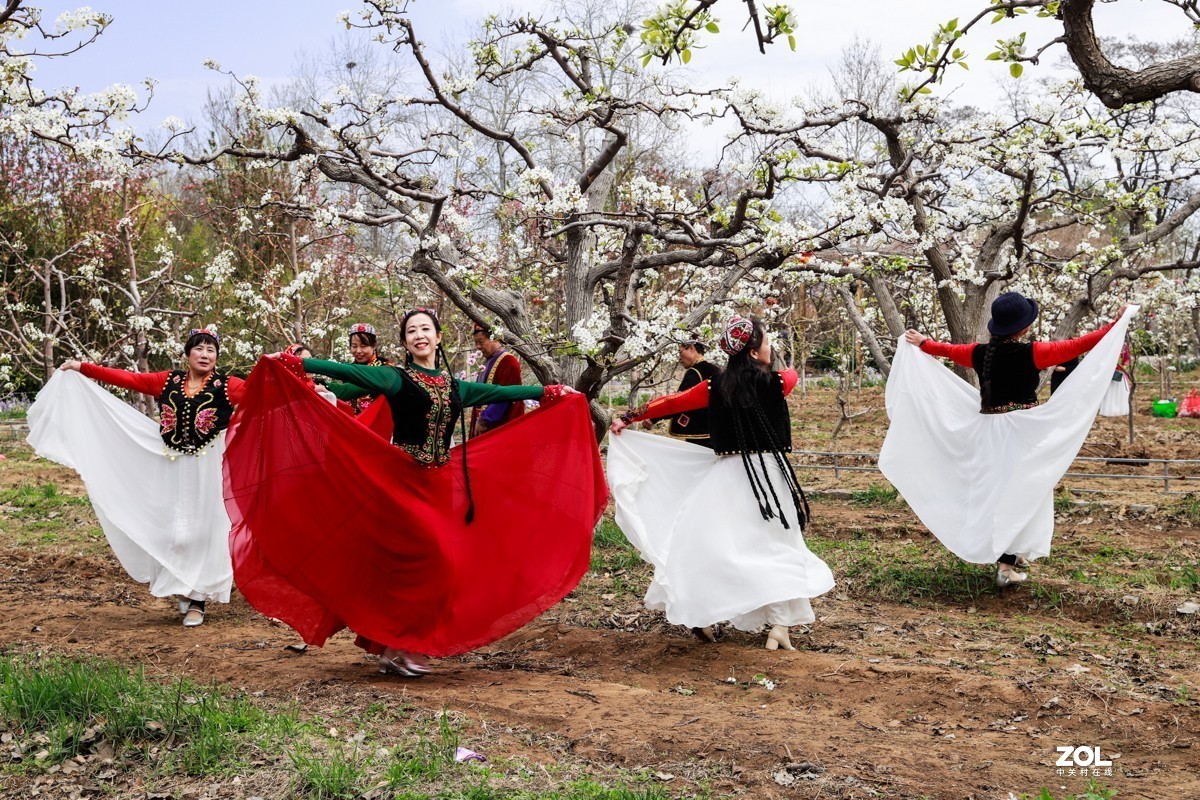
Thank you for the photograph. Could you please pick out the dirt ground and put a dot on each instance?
(900, 690)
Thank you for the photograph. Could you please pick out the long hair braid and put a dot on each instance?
(985, 372)
(462, 428)
(799, 500)
(760, 492)
(440, 359)
(739, 387)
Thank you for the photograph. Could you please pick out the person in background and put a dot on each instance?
(692, 426)
(500, 368)
(364, 351)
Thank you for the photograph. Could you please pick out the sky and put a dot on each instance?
(169, 40)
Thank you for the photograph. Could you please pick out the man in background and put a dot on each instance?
(693, 425)
(501, 368)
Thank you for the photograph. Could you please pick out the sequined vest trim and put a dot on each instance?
(189, 424)
(359, 404)
(424, 414)
(1014, 376)
(723, 421)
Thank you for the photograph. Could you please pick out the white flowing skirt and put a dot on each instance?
(983, 483)
(1116, 398)
(165, 519)
(692, 515)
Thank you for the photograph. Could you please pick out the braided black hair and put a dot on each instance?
(739, 387)
(985, 373)
(439, 359)
(985, 369)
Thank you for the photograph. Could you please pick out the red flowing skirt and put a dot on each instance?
(334, 527)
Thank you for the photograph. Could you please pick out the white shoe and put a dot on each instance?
(1007, 577)
(193, 618)
(778, 638)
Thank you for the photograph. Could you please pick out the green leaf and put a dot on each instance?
(686, 55)
(963, 64)
(792, 43)
(1016, 69)
(712, 28)
(924, 90)
(952, 24)
(994, 56)
(649, 57)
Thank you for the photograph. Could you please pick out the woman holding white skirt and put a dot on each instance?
(979, 467)
(723, 527)
(156, 487)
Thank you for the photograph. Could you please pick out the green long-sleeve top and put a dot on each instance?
(427, 441)
(388, 381)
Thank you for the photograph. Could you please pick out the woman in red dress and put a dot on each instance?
(417, 547)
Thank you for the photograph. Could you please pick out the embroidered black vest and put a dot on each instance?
(1013, 374)
(359, 404)
(693, 425)
(772, 432)
(424, 414)
(189, 424)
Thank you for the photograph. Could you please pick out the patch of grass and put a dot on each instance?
(1188, 508)
(1064, 501)
(38, 497)
(1046, 595)
(878, 496)
(591, 791)
(424, 768)
(903, 574)
(426, 760)
(1185, 578)
(611, 551)
(1094, 791)
(77, 704)
(335, 775)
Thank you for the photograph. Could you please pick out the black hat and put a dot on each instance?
(1012, 312)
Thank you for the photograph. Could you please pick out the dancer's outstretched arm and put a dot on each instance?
(376, 380)
(1047, 354)
(151, 383)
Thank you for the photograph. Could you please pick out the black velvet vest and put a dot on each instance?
(359, 404)
(424, 414)
(1013, 376)
(723, 421)
(693, 425)
(189, 424)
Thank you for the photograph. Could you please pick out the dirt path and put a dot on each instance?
(886, 700)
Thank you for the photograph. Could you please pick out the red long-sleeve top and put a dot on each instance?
(697, 397)
(152, 383)
(1045, 354)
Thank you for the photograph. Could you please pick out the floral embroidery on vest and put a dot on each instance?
(433, 450)
(188, 424)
